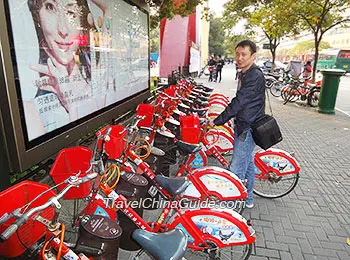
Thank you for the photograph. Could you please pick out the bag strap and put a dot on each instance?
(268, 98)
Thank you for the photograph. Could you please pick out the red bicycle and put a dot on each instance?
(218, 234)
(277, 171)
(99, 238)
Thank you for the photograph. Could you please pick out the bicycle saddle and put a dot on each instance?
(197, 91)
(173, 121)
(157, 151)
(206, 88)
(173, 185)
(188, 148)
(192, 97)
(162, 246)
(202, 98)
(183, 106)
(165, 132)
(186, 100)
(201, 103)
(200, 91)
(199, 111)
(178, 112)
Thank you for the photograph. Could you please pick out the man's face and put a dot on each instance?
(244, 58)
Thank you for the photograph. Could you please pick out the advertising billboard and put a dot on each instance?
(72, 61)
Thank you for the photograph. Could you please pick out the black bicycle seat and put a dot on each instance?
(162, 246)
(186, 100)
(201, 103)
(174, 185)
(193, 96)
(188, 148)
(206, 88)
(203, 98)
(157, 151)
(199, 111)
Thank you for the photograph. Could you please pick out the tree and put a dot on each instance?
(170, 8)
(267, 15)
(231, 42)
(154, 40)
(308, 46)
(319, 16)
(216, 37)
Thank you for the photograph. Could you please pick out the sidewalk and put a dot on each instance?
(313, 221)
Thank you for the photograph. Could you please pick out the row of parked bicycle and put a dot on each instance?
(125, 166)
(293, 88)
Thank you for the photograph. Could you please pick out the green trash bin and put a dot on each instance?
(329, 90)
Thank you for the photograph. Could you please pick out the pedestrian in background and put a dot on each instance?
(211, 67)
(219, 65)
(307, 69)
(237, 70)
(245, 108)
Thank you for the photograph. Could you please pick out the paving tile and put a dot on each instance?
(312, 221)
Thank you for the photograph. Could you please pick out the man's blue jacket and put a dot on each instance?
(249, 103)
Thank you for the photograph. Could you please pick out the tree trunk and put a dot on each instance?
(314, 68)
(273, 48)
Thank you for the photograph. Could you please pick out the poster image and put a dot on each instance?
(76, 57)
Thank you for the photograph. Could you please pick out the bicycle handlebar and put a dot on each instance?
(138, 119)
(165, 94)
(73, 181)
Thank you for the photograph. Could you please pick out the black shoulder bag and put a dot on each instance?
(266, 131)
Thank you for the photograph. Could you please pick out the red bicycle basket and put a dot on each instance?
(69, 162)
(15, 197)
(190, 129)
(146, 110)
(116, 146)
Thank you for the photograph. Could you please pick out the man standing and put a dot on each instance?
(220, 63)
(245, 108)
(211, 67)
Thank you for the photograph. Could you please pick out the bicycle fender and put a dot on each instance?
(216, 182)
(224, 227)
(279, 160)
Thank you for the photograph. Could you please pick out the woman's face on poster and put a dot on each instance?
(61, 26)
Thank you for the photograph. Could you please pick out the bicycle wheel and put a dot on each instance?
(242, 252)
(290, 97)
(313, 98)
(276, 89)
(138, 255)
(275, 186)
(69, 215)
(269, 82)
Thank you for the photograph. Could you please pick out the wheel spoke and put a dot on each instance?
(271, 189)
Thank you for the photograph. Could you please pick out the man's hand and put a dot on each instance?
(211, 123)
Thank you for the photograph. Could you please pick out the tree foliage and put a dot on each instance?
(319, 16)
(169, 9)
(154, 40)
(216, 37)
(308, 46)
(267, 15)
(231, 42)
(278, 18)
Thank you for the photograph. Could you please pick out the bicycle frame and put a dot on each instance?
(265, 161)
(189, 222)
(205, 182)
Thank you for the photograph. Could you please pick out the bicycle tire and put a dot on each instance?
(276, 89)
(259, 182)
(199, 255)
(269, 83)
(313, 98)
(290, 97)
(226, 253)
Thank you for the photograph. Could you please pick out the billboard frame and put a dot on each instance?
(19, 157)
